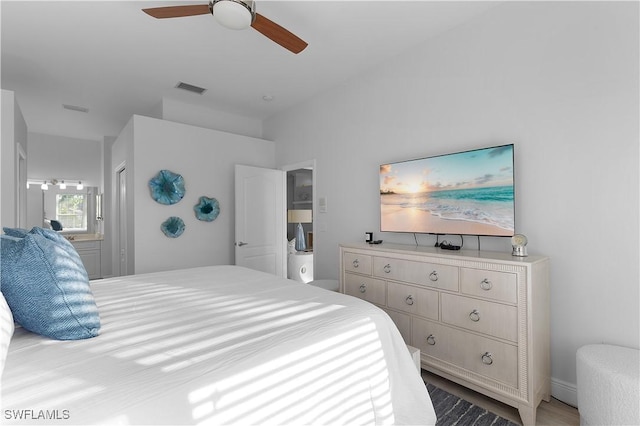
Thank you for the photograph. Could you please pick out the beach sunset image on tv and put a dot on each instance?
(465, 193)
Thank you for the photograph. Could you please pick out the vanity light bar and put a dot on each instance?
(44, 184)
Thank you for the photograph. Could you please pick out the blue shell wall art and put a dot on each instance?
(207, 209)
(173, 227)
(167, 187)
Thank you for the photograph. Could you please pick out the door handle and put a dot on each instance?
(240, 244)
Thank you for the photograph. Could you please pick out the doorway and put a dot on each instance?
(122, 266)
(300, 224)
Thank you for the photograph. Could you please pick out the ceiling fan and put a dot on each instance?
(237, 15)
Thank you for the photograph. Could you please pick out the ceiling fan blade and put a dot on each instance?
(276, 33)
(177, 11)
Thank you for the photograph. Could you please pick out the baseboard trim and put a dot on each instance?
(564, 391)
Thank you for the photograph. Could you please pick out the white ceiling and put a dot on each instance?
(115, 60)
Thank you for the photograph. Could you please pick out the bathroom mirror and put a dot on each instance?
(76, 209)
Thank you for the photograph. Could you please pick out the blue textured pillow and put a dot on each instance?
(47, 287)
(16, 232)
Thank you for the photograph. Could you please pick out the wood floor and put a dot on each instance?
(553, 413)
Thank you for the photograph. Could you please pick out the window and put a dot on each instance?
(71, 211)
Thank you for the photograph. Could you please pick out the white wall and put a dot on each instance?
(560, 80)
(203, 116)
(206, 159)
(107, 202)
(61, 157)
(14, 131)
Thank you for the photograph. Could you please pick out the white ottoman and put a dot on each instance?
(608, 385)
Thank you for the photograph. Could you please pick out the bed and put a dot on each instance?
(218, 345)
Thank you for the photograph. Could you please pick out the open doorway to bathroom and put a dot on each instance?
(300, 196)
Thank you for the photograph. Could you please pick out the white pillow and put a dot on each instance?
(6, 331)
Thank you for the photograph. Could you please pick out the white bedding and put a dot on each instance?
(218, 345)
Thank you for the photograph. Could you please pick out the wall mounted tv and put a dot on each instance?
(462, 193)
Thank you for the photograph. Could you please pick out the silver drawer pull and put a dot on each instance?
(387, 268)
(487, 358)
(433, 276)
(409, 300)
(355, 263)
(474, 315)
(431, 340)
(486, 284)
(363, 288)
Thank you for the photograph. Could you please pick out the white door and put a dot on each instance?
(260, 234)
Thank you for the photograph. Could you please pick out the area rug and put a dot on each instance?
(452, 410)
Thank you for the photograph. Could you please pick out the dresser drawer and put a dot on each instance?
(486, 317)
(481, 355)
(403, 323)
(501, 286)
(414, 300)
(360, 263)
(430, 274)
(367, 288)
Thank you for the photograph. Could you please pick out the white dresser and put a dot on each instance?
(479, 318)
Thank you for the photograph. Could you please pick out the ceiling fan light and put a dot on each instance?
(233, 14)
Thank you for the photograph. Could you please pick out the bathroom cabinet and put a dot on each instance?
(90, 252)
(479, 318)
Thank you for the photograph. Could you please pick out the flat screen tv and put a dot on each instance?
(462, 193)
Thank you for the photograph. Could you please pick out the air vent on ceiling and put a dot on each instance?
(190, 88)
(75, 108)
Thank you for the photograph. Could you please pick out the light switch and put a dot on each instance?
(322, 204)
